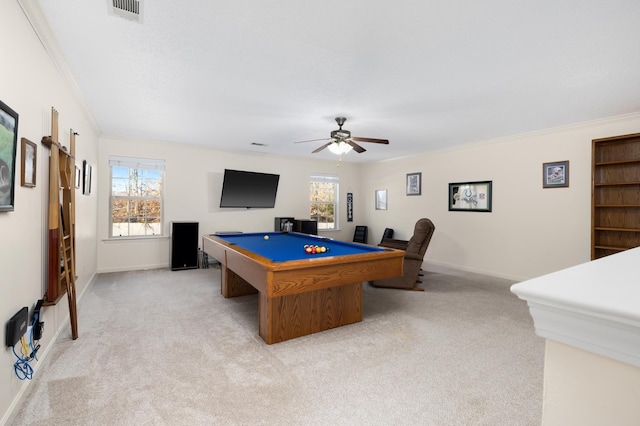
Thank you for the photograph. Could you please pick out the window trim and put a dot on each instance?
(135, 163)
(333, 179)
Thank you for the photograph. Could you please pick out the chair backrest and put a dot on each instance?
(360, 234)
(388, 233)
(422, 233)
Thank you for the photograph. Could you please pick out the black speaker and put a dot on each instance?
(184, 245)
(305, 226)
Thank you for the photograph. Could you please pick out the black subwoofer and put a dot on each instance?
(184, 245)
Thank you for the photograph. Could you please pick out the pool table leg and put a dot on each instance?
(287, 317)
(233, 285)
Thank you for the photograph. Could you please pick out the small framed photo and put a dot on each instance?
(29, 157)
(414, 183)
(381, 199)
(555, 175)
(470, 196)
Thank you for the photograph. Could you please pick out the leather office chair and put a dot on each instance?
(388, 233)
(414, 251)
(360, 234)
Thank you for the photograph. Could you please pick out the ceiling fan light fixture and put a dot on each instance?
(339, 148)
(341, 141)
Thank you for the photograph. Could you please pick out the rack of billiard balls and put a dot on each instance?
(311, 249)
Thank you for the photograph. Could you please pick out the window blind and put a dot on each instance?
(325, 178)
(136, 163)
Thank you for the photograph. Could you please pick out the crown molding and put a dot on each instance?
(40, 26)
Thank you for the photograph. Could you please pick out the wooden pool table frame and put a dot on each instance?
(300, 297)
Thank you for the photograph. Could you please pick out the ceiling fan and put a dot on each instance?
(340, 142)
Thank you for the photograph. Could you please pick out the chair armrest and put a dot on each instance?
(393, 243)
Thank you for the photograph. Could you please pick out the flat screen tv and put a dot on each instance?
(242, 189)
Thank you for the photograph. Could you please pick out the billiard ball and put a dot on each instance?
(266, 237)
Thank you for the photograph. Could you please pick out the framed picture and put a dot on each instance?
(381, 199)
(86, 187)
(78, 177)
(414, 183)
(8, 146)
(470, 196)
(555, 175)
(29, 157)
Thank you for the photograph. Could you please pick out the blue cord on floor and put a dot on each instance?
(22, 368)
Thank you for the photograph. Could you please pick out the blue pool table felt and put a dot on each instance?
(287, 246)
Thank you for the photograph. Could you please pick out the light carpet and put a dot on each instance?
(164, 347)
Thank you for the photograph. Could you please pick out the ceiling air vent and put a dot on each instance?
(128, 9)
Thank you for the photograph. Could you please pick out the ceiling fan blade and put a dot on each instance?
(322, 147)
(313, 140)
(357, 148)
(384, 141)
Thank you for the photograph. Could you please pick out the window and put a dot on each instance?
(323, 191)
(136, 197)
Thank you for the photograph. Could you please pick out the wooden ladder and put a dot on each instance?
(68, 272)
(62, 259)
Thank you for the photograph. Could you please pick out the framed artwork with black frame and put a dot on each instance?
(470, 196)
(29, 154)
(414, 183)
(555, 175)
(86, 187)
(8, 146)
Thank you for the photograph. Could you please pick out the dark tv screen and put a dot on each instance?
(242, 189)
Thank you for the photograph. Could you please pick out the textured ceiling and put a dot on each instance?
(426, 75)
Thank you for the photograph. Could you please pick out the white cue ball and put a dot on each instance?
(266, 237)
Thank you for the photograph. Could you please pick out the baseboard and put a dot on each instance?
(471, 270)
(42, 356)
(132, 268)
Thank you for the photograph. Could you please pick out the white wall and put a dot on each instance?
(530, 232)
(582, 388)
(31, 84)
(193, 183)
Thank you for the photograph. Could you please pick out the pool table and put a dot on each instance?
(299, 293)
